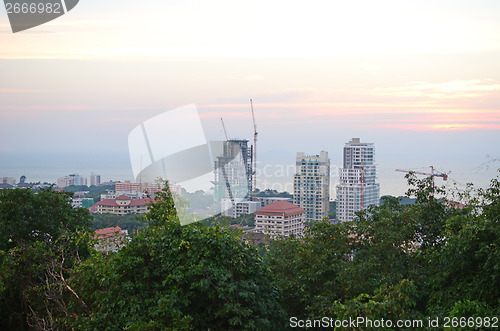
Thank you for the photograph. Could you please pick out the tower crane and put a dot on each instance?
(254, 154)
(224, 127)
(433, 173)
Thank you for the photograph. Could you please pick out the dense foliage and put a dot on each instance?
(130, 222)
(41, 239)
(432, 258)
(177, 277)
(395, 261)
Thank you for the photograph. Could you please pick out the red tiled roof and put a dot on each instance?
(279, 208)
(123, 197)
(109, 232)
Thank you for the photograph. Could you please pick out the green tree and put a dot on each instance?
(467, 268)
(430, 258)
(41, 238)
(173, 277)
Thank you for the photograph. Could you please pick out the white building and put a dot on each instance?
(311, 186)
(357, 188)
(280, 219)
(95, 179)
(73, 179)
(237, 208)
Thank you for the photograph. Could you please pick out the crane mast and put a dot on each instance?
(224, 127)
(254, 172)
(223, 167)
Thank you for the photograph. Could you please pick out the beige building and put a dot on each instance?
(121, 205)
(280, 219)
(311, 186)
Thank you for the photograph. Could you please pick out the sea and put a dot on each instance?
(271, 174)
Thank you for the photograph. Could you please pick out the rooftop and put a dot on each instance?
(109, 232)
(280, 207)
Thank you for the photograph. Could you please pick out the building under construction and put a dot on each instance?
(234, 172)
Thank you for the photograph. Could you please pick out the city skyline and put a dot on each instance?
(420, 80)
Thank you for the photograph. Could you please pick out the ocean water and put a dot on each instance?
(272, 173)
(45, 167)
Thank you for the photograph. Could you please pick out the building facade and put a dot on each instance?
(237, 208)
(311, 186)
(73, 179)
(233, 171)
(122, 205)
(357, 187)
(280, 219)
(95, 179)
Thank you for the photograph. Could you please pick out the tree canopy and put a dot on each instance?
(438, 257)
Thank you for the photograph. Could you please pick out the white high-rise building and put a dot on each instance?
(357, 188)
(95, 179)
(311, 186)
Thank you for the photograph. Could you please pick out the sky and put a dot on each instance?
(419, 79)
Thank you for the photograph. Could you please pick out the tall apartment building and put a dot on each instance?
(95, 179)
(357, 188)
(311, 186)
(233, 171)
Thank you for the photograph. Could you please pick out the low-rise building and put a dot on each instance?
(79, 201)
(280, 219)
(122, 205)
(237, 208)
(128, 188)
(110, 239)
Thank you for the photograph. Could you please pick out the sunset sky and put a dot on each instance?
(420, 79)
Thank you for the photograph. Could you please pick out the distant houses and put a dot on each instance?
(110, 239)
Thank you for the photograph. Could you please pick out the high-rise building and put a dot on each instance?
(233, 171)
(95, 179)
(311, 186)
(73, 179)
(357, 188)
